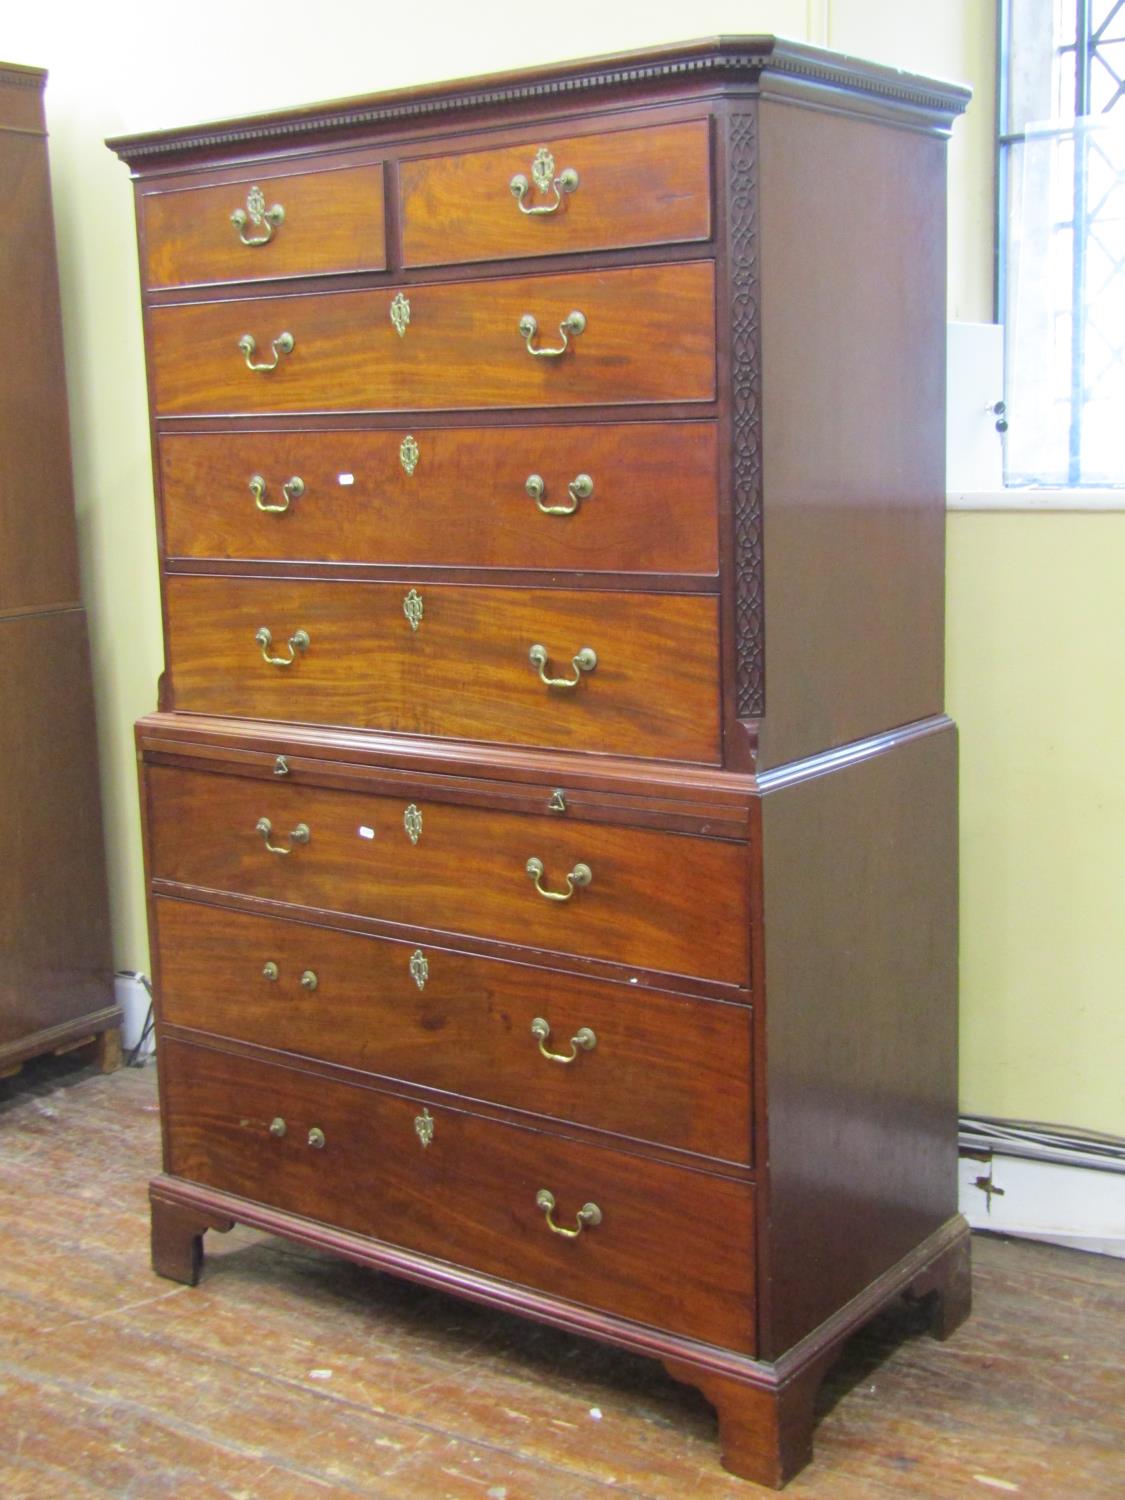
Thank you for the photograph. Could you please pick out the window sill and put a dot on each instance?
(1071, 501)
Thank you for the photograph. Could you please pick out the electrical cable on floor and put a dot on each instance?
(134, 1059)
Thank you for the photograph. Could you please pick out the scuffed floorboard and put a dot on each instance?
(287, 1375)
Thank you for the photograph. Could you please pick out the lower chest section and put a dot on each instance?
(517, 1040)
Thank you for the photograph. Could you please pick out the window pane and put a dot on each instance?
(1065, 359)
(1036, 29)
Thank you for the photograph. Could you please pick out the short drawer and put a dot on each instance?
(663, 1245)
(552, 195)
(630, 497)
(618, 1057)
(648, 334)
(307, 222)
(453, 660)
(663, 901)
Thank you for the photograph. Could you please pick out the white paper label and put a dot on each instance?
(346, 478)
(365, 832)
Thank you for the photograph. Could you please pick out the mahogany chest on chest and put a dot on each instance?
(550, 812)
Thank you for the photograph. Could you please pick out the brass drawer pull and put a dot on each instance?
(299, 835)
(573, 323)
(278, 1128)
(298, 641)
(579, 876)
(589, 1214)
(283, 344)
(543, 175)
(585, 661)
(316, 1138)
(581, 487)
(261, 219)
(292, 489)
(583, 1038)
(309, 981)
(270, 971)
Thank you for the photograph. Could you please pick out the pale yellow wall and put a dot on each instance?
(1039, 971)
(1036, 670)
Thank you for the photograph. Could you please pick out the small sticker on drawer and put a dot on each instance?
(365, 832)
(346, 478)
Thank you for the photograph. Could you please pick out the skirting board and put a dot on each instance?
(1064, 1204)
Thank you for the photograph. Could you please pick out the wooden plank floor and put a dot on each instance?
(287, 1375)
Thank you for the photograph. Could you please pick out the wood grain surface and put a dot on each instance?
(334, 221)
(288, 1371)
(465, 672)
(663, 1068)
(635, 187)
(664, 901)
(852, 429)
(462, 348)
(466, 504)
(54, 911)
(866, 859)
(38, 559)
(674, 1247)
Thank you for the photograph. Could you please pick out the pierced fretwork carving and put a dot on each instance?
(746, 404)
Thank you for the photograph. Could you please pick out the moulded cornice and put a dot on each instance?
(749, 61)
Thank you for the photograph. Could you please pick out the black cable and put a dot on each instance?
(134, 1058)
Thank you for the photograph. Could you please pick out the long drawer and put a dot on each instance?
(674, 903)
(302, 222)
(659, 1244)
(462, 345)
(628, 497)
(453, 661)
(551, 195)
(617, 1057)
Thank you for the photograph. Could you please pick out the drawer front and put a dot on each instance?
(589, 192)
(674, 1247)
(649, 336)
(623, 1059)
(332, 220)
(637, 497)
(663, 901)
(465, 671)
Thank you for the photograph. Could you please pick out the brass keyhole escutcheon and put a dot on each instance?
(400, 313)
(408, 454)
(413, 609)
